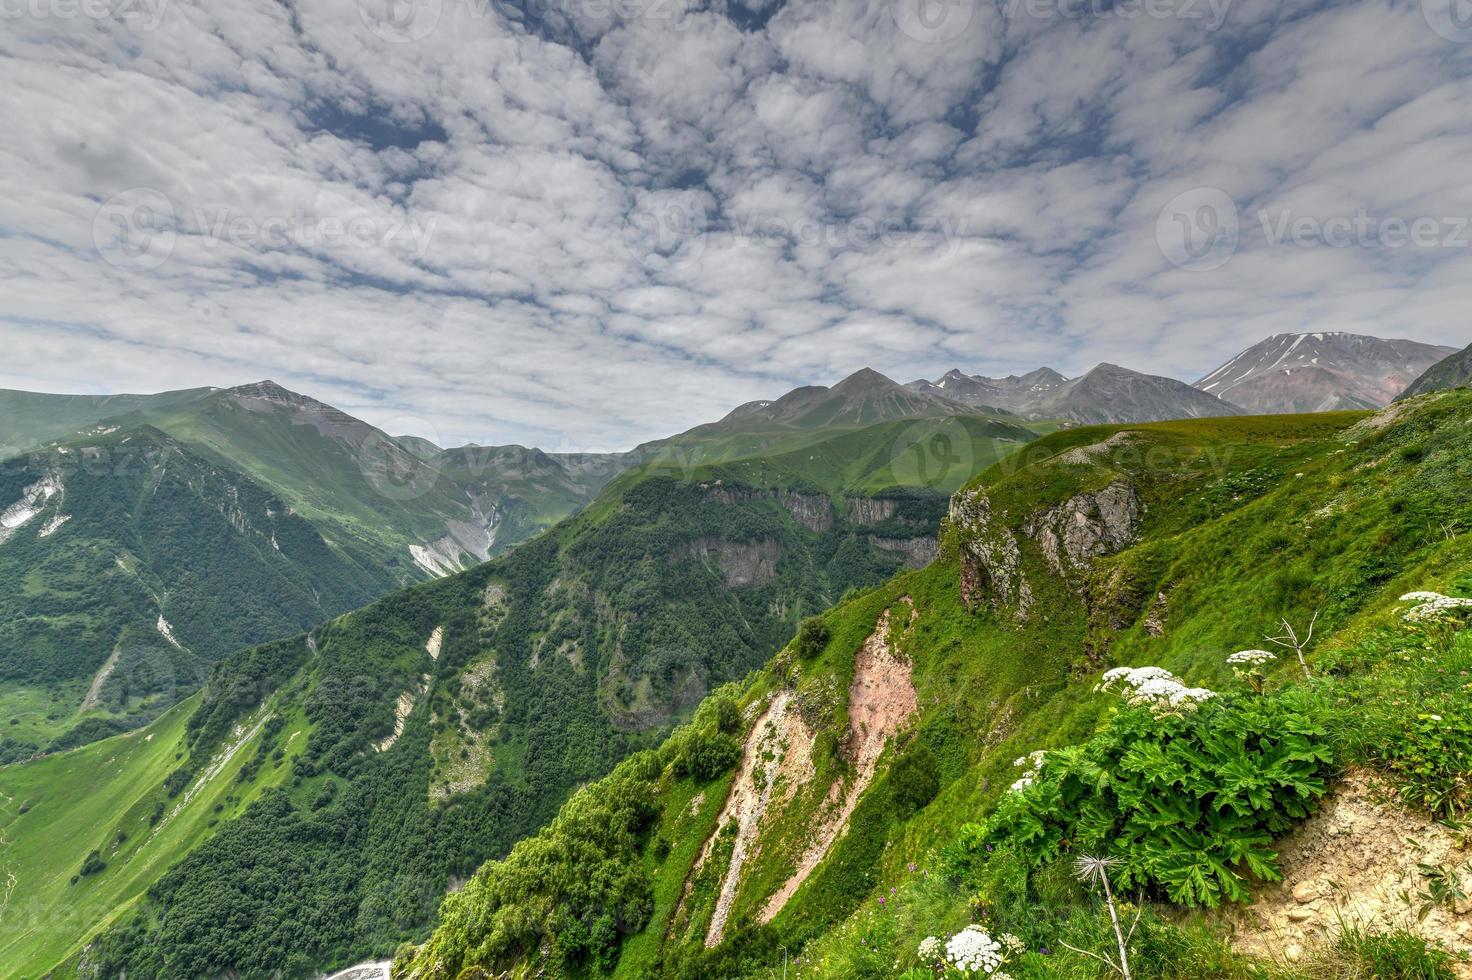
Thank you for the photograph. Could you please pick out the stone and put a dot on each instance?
(1293, 952)
(1305, 892)
(1300, 914)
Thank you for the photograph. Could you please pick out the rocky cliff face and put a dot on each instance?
(743, 563)
(813, 511)
(917, 552)
(991, 561)
(868, 511)
(1069, 536)
(1072, 534)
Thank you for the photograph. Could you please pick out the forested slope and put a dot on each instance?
(442, 723)
(128, 565)
(830, 812)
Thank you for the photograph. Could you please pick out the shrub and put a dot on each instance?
(914, 780)
(1184, 803)
(93, 864)
(707, 756)
(812, 637)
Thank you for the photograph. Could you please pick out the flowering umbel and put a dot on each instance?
(1251, 666)
(973, 951)
(1154, 687)
(1032, 764)
(1430, 607)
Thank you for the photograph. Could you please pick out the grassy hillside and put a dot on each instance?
(128, 565)
(829, 812)
(29, 419)
(107, 798)
(451, 719)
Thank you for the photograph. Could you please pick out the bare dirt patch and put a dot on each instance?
(778, 753)
(1356, 863)
(881, 700)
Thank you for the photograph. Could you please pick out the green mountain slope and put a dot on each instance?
(1455, 371)
(808, 415)
(816, 813)
(29, 419)
(451, 719)
(130, 564)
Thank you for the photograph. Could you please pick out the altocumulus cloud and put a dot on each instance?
(584, 223)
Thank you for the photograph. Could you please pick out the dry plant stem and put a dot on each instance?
(1291, 641)
(1124, 961)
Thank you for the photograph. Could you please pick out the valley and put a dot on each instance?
(355, 772)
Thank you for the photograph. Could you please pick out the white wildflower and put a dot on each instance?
(1255, 658)
(1153, 686)
(1034, 762)
(972, 951)
(1429, 610)
(1421, 596)
(932, 949)
(1012, 944)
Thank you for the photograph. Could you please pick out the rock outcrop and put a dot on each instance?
(917, 552)
(991, 562)
(1086, 526)
(868, 511)
(743, 563)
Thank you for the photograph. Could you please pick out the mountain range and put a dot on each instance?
(604, 752)
(1287, 373)
(1320, 372)
(1108, 393)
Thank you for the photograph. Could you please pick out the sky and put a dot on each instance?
(580, 224)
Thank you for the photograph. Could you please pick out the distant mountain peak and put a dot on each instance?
(270, 391)
(1455, 371)
(865, 378)
(1320, 371)
(1106, 393)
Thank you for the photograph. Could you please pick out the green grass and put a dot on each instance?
(1245, 521)
(81, 800)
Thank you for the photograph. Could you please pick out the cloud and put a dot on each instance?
(583, 225)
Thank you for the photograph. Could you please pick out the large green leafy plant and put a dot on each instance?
(1185, 802)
